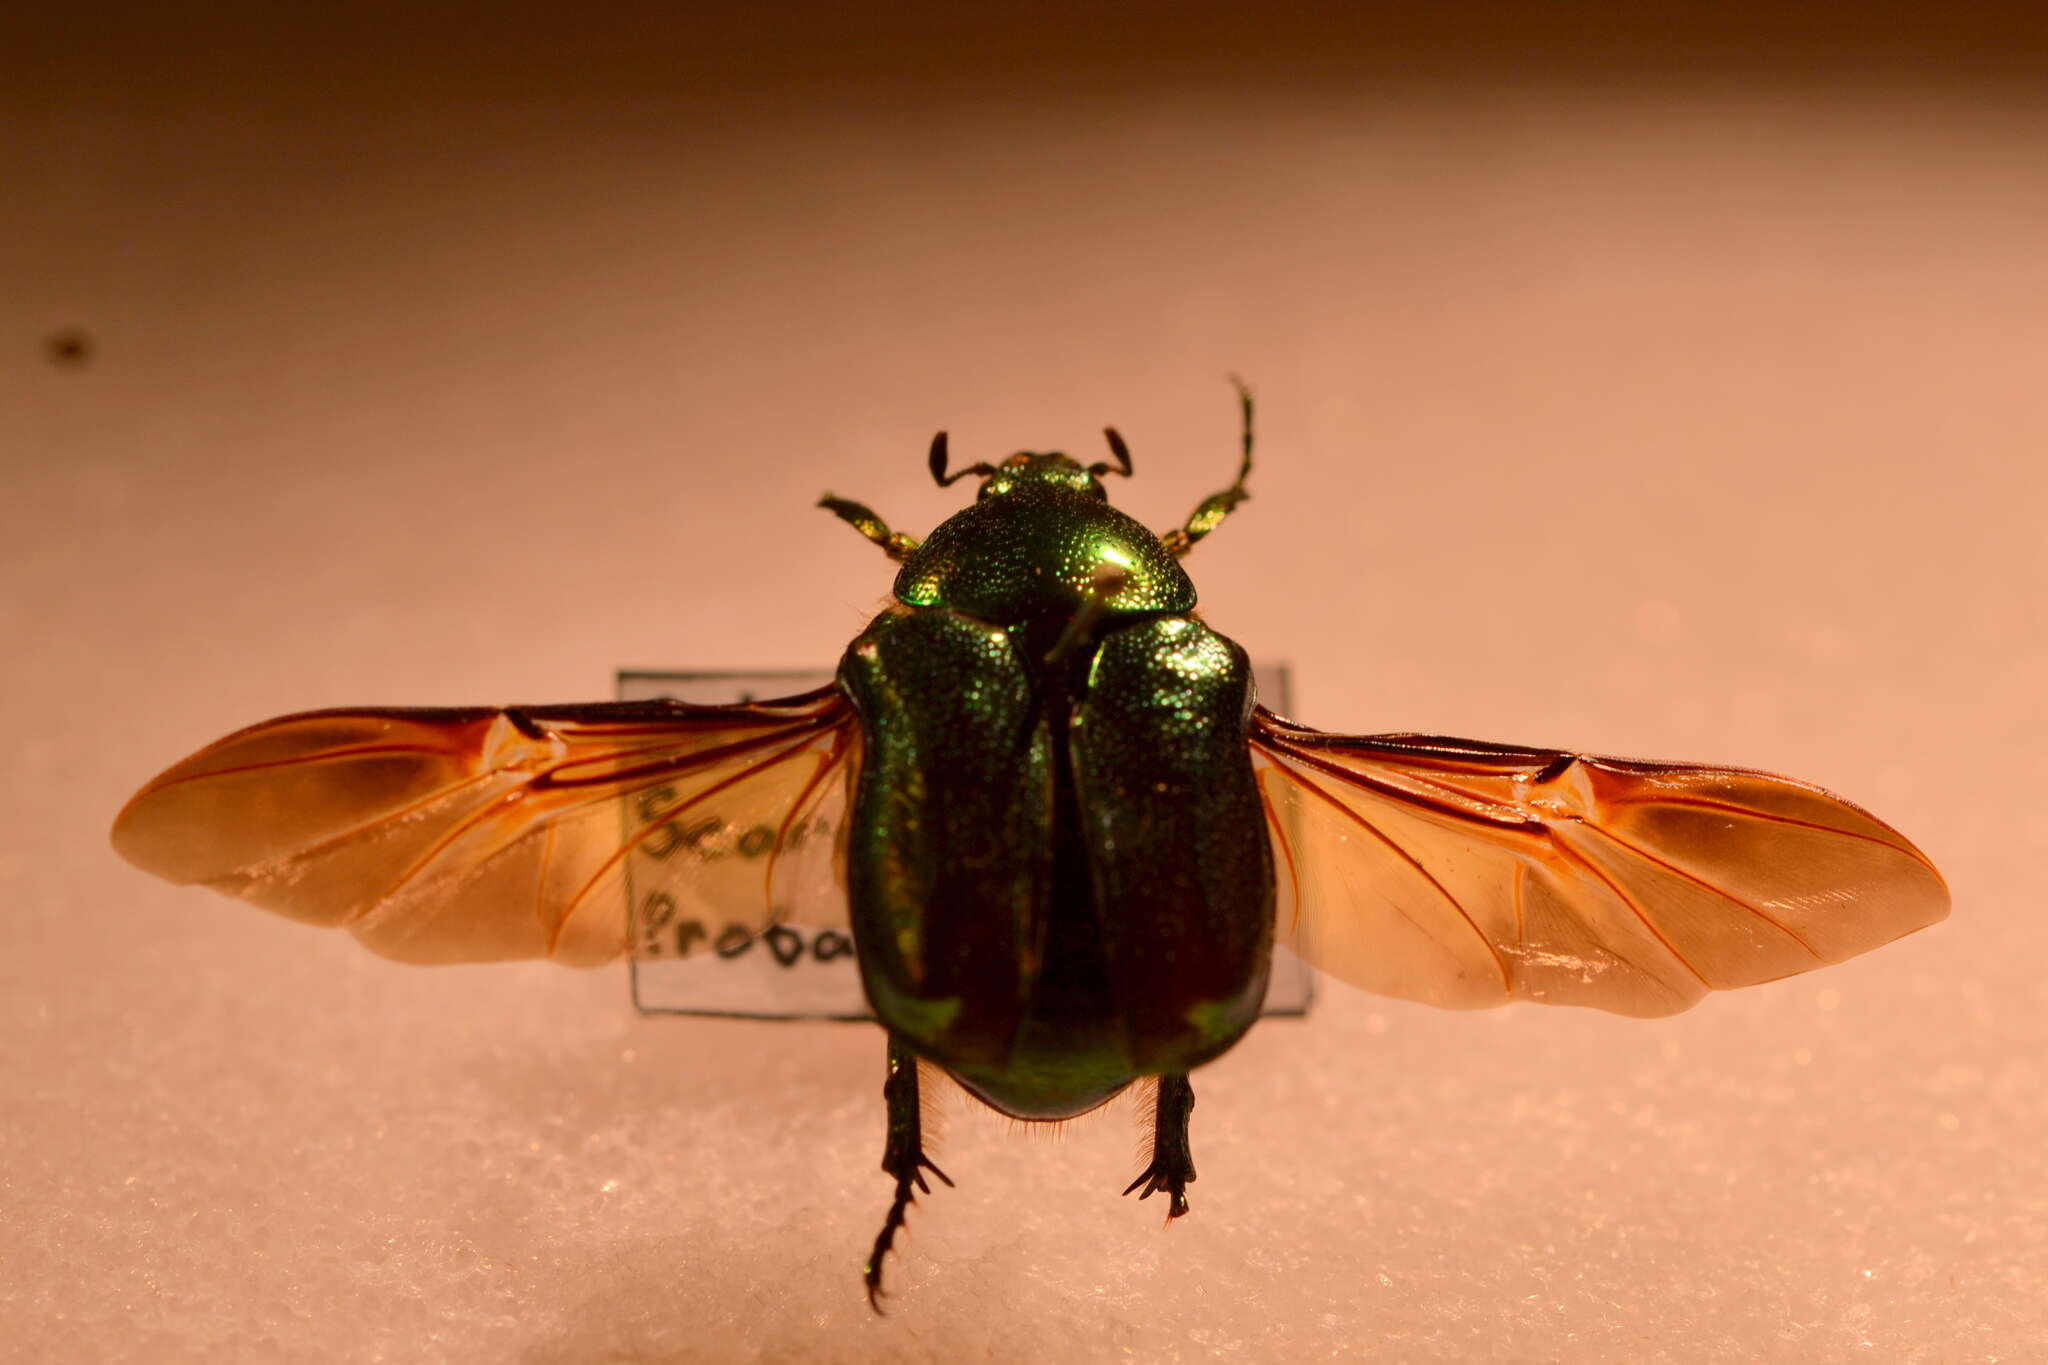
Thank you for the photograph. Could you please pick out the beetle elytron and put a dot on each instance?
(1067, 837)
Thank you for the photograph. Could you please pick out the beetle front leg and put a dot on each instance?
(1173, 1160)
(863, 519)
(902, 1157)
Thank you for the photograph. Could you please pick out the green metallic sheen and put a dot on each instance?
(949, 858)
(1030, 546)
(1057, 863)
(1176, 833)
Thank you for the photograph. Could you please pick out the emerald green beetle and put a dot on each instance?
(1064, 837)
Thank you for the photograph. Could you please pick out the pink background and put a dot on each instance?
(1652, 393)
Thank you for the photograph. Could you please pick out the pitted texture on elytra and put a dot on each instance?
(1034, 550)
(949, 856)
(1159, 752)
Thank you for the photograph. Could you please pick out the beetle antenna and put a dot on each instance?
(1118, 449)
(938, 463)
(1216, 506)
(1244, 399)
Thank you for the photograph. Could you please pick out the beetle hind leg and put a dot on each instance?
(1173, 1160)
(902, 1158)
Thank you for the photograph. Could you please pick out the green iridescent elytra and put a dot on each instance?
(1057, 867)
(1058, 871)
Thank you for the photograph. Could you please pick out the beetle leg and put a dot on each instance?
(902, 1157)
(1216, 506)
(1173, 1160)
(1107, 580)
(862, 519)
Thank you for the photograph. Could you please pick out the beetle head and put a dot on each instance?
(1028, 468)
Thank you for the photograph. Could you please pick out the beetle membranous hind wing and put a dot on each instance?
(472, 835)
(1467, 874)
(721, 858)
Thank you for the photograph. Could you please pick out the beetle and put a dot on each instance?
(1065, 836)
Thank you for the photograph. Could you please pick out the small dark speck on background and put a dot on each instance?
(69, 348)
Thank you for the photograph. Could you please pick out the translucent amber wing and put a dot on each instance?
(474, 835)
(1467, 874)
(718, 858)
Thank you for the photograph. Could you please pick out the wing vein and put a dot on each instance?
(1724, 893)
(808, 797)
(1557, 841)
(1286, 852)
(662, 817)
(1496, 814)
(1754, 812)
(660, 767)
(325, 756)
(1499, 961)
(390, 817)
(611, 790)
